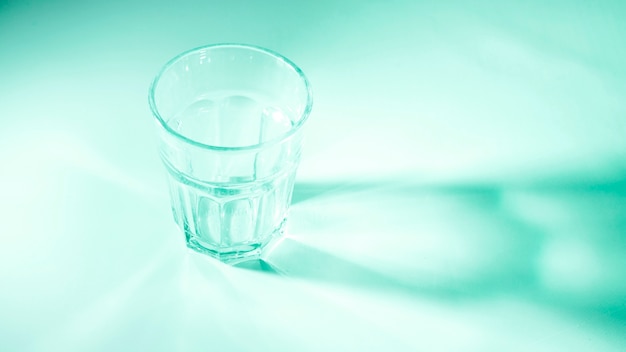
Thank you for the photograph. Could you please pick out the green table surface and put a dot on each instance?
(462, 187)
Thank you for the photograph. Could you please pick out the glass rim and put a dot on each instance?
(303, 117)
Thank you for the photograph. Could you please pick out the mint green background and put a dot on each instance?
(463, 184)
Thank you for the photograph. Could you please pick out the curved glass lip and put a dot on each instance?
(303, 118)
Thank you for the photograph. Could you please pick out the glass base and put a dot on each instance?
(236, 253)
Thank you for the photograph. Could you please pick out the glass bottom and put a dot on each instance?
(231, 221)
(235, 253)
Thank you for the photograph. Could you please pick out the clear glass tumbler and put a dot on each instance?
(229, 119)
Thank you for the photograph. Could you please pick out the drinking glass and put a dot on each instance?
(229, 120)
